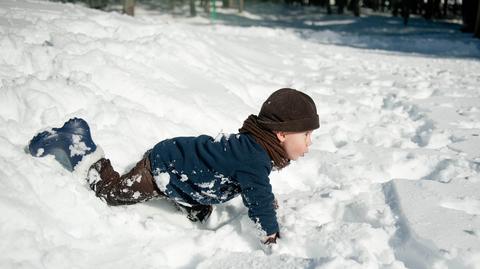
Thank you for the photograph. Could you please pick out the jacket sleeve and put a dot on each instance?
(258, 198)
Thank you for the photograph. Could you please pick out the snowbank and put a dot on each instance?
(139, 80)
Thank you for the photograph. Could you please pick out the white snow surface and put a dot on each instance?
(391, 180)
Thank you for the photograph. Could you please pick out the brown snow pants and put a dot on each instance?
(138, 185)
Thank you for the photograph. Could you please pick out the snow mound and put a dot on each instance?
(385, 113)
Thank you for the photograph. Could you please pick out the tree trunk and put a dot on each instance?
(405, 11)
(240, 6)
(445, 8)
(193, 11)
(329, 7)
(129, 7)
(429, 10)
(213, 13)
(477, 24)
(340, 5)
(207, 7)
(356, 7)
(97, 4)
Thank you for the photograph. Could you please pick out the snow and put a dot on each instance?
(391, 180)
(78, 147)
(183, 178)
(449, 210)
(136, 178)
(162, 180)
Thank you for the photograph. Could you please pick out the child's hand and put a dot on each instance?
(272, 239)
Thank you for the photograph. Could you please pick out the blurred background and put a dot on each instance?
(465, 13)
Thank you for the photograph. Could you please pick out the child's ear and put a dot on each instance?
(280, 136)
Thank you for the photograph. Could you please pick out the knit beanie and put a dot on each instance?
(289, 110)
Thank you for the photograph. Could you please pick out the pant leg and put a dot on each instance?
(138, 185)
(133, 187)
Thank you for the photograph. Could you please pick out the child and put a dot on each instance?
(198, 172)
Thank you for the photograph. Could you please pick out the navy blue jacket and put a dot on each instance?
(203, 170)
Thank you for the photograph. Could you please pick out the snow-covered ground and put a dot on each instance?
(392, 179)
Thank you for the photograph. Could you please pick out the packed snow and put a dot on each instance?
(391, 180)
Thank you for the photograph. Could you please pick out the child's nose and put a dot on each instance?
(309, 141)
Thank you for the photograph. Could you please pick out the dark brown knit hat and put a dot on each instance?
(289, 110)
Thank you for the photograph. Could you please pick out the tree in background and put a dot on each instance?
(477, 25)
(98, 4)
(469, 15)
(129, 7)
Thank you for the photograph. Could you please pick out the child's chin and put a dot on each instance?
(298, 157)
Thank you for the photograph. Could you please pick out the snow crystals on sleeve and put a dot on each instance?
(210, 193)
(221, 135)
(206, 185)
(223, 179)
(40, 152)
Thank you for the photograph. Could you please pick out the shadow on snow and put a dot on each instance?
(377, 31)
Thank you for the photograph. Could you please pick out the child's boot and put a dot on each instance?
(69, 144)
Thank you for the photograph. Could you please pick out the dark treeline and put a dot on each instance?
(429, 9)
(466, 10)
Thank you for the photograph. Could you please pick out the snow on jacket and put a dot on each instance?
(203, 170)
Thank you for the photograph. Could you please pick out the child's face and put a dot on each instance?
(295, 144)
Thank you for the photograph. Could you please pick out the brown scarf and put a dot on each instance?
(267, 139)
